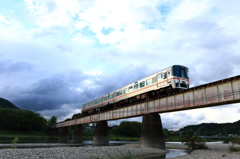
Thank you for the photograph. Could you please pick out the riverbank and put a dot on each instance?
(98, 152)
(217, 150)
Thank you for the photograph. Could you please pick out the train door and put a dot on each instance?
(159, 80)
(168, 76)
(165, 79)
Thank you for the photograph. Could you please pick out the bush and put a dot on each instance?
(226, 141)
(236, 140)
(233, 148)
(193, 141)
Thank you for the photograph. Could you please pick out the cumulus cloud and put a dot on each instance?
(57, 55)
(2, 19)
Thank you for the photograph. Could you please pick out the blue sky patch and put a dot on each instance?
(106, 31)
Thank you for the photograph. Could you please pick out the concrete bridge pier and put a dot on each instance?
(77, 136)
(63, 137)
(152, 132)
(55, 132)
(100, 136)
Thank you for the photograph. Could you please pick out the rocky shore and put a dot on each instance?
(103, 152)
(216, 151)
(100, 152)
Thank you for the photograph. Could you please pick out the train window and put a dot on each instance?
(110, 96)
(120, 92)
(125, 91)
(114, 94)
(168, 72)
(154, 80)
(165, 75)
(160, 76)
(135, 86)
(148, 82)
(142, 84)
(106, 98)
(130, 88)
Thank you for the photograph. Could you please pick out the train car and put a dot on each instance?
(167, 80)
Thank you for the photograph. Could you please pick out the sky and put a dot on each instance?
(56, 55)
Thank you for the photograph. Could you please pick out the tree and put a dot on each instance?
(52, 120)
(192, 140)
(75, 116)
(129, 128)
(17, 119)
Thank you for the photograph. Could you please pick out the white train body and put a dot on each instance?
(173, 77)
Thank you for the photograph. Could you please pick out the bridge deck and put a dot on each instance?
(217, 93)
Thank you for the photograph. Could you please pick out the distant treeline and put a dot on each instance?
(17, 119)
(209, 129)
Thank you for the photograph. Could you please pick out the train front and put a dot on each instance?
(180, 77)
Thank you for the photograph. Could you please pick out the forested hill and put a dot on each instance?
(6, 104)
(208, 129)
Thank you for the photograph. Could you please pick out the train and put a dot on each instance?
(170, 79)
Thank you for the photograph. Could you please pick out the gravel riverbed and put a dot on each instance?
(99, 152)
(216, 151)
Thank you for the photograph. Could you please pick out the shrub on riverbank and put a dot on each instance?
(235, 140)
(232, 148)
(193, 141)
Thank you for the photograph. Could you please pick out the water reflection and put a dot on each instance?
(176, 152)
(171, 153)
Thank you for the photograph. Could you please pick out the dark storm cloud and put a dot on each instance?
(11, 67)
(70, 90)
(52, 92)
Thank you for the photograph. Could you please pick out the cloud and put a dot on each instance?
(2, 19)
(70, 90)
(57, 55)
(9, 67)
(176, 120)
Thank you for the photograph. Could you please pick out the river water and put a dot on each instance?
(171, 152)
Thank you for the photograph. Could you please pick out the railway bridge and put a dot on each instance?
(226, 91)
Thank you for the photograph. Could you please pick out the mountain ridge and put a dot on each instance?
(4, 103)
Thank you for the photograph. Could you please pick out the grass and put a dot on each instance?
(22, 133)
(232, 148)
(14, 143)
